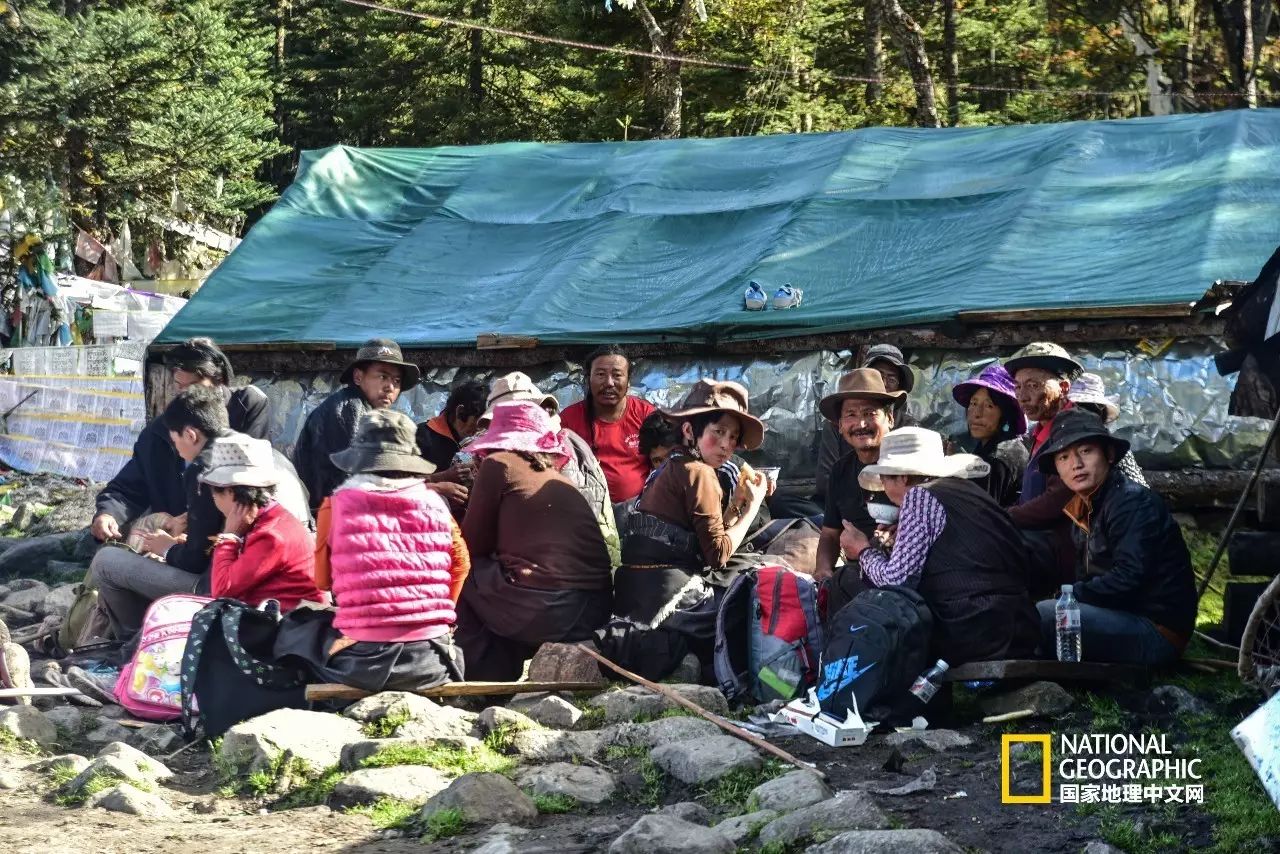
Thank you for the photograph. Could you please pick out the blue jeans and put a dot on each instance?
(1107, 635)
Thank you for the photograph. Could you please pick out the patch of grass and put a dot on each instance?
(62, 775)
(733, 790)
(782, 847)
(443, 824)
(1131, 838)
(554, 804)
(592, 717)
(314, 791)
(454, 761)
(617, 752)
(95, 784)
(389, 814)
(1107, 714)
(10, 743)
(500, 739)
(1244, 817)
(655, 783)
(386, 727)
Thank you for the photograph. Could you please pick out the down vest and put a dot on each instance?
(390, 553)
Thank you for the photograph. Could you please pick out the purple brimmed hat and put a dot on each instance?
(996, 380)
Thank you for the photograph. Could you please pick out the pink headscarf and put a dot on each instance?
(522, 425)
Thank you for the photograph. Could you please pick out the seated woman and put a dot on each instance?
(541, 570)
(394, 557)
(680, 549)
(996, 425)
(263, 552)
(1137, 591)
(954, 545)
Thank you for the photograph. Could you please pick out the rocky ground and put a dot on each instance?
(618, 770)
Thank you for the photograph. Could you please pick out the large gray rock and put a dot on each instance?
(66, 718)
(30, 723)
(665, 834)
(108, 732)
(413, 783)
(741, 828)
(706, 759)
(30, 556)
(131, 800)
(65, 571)
(934, 739)
(634, 702)
(555, 712)
(58, 600)
(1174, 700)
(109, 768)
(690, 811)
(315, 738)
(155, 738)
(789, 792)
(661, 731)
(73, 761)
(501, 839)
(11, 780)
(29, 598)
(564, 662)
(152, 768)
(500, 717)
(1097, 846)
(1047, 699)
(583, 783)
(549, 745)
(387, 704)
(846, 811)
(887, 842)
(355, 753)
(483, 799)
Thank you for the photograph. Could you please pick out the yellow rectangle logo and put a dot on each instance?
(1046, 795)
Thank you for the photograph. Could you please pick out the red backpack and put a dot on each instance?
(768, 636)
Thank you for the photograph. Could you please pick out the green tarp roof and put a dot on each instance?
(640, 241)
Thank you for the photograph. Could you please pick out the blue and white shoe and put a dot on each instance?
(787, 297)
(755, 297)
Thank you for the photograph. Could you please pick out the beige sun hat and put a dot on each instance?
(240, 460)
(1089, 388)
(916, 451)
(514, 386)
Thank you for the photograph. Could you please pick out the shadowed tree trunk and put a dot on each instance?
(667, 88)
(875, 50)
(909, 38)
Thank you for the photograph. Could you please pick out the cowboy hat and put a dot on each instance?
(385, 440)
(916, 451)
(1088, 388)
(996, 380)
(1047, 356)
(713, 396)
(892, 355)
(240, 460)
(517, 385)
(388, 352)
(1071, 427)
(863, 382)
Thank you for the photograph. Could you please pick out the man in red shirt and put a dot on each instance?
(609, 421)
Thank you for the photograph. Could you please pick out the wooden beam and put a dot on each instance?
(493, 341)
(16, 693)
(1082, 313)
(453, 689)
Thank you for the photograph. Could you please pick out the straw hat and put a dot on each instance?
(864, 383)
(709, 395)
(916, 451)
(388, 352)
(517, 385)
(1047, 356)
(1088, 388)
(240, 460)
(385, 440)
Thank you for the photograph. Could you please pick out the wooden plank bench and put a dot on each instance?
(1048, 670)
(325, 691)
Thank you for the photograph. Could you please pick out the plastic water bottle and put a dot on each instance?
(926, 684)
(1067, 612)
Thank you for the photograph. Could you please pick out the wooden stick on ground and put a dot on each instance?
(13, 693)
(1212, 662)
(735, 731)
(454, 689)
(1009, 716)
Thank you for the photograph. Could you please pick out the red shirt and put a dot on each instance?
(276, 561)
(616, 445)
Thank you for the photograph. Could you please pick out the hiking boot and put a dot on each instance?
(53, 675)
(100, 688)
(754, 297)
(787, 297)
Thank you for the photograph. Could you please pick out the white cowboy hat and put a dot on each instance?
(916, 451)
(517, 386)
(240, 460)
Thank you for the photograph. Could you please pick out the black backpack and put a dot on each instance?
(876, 646)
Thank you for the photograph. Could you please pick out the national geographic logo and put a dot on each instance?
(1104, 769)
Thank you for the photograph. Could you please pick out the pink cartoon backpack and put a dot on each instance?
(150, 685)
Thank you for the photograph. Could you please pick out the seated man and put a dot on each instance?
(151, 481)
(954, 544)
(1137, 594)
(439, 438)
(374, 380)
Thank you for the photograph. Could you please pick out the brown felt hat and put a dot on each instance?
(713, 396)
(864, 382)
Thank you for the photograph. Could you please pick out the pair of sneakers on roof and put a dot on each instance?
(784, 297)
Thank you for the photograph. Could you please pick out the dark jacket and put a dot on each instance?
(1133, 557)
(437, 442)
(1008, 460)
(328, 429)
(203, 520)
(151, 481)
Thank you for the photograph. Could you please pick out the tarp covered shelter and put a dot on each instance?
(652, 241)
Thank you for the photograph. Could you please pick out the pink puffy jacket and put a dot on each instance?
(390, 553)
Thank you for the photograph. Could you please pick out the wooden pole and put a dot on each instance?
(735, 731)
(453, 689)
(16, 693)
